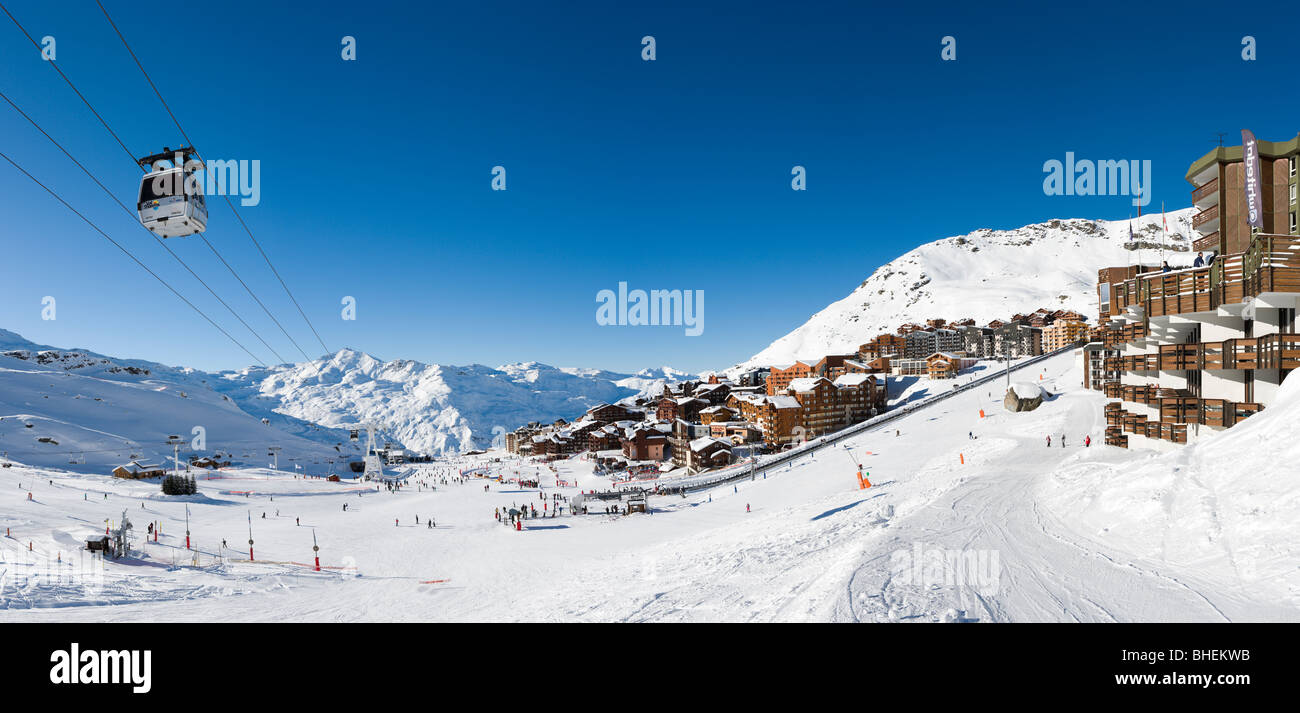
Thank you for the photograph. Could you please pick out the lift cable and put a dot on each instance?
(55, 65)
(227, 198)
(129, 254)
(135, 218)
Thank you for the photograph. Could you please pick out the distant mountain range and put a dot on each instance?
(101, 411)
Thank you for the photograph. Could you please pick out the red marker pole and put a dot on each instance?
(315, 549)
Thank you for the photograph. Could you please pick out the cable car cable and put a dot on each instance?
(133, 217)
(129, 254)
(227, 198)
(69, 81)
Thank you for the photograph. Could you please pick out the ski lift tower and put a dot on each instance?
(274, 451)
(374, 466)
(176, 442)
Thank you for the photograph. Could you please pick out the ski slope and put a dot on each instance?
(801, 544)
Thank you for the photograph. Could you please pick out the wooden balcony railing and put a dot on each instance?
(1228, 279)
(1180, 356)
(1164, 293)
(1205, 190)
(1220, 413)
(1182, 409)
(1278, 351)
(1207, 243)
(1205, 216)
(1272, 264)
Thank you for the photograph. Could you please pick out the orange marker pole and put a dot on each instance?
(963, 458)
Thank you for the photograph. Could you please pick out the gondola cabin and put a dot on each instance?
(171, 201)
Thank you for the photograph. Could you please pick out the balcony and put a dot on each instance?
(1180, 356)
(1219, 413)
(1206, 221)
(1206, 195)
(1278, 351)
(1272, 264)
(1207, 243)
(1180, 292)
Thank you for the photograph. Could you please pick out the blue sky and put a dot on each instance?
(666, 174)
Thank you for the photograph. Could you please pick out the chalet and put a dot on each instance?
(610, 413)
(135, 470)
(716, 414)
(644, 442)
(946, 365)
(707, 452)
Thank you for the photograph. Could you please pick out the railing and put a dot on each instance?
(1227, 275)
(1278, 351)
(1182, 409)
(1205, 216)
(1180, 356)
(1207, 242)
(1205, 190)
(1272, 264)
(1164, 293)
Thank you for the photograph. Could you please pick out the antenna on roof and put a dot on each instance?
(1221, 135)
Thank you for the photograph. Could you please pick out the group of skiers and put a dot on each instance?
(1087, 441)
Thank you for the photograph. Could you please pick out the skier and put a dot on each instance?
(1062, 440)
(345, 507)
(746, 507)
(1087, 441)
(1049, 441)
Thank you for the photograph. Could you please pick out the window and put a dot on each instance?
(1291, 161)
(1292, 194)
(1293, 223)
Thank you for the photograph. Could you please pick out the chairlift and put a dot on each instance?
(171, 201)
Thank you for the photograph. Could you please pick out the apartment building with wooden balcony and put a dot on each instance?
(1199, 350)
(1219, 193)
(1063, 333)
(781, 376)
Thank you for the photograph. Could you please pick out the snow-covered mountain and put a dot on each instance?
(984, 275)
(434, 408)
(101, 410)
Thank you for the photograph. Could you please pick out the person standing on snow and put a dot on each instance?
(1087, 441)
(1049, 441)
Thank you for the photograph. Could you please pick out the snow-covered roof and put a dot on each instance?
(700, 444)
(783, 401)
(851, 379)
(807, 383)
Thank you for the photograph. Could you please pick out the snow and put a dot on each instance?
(1049, 534)
(984, 275)
(311, 406)
(1027, 389)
